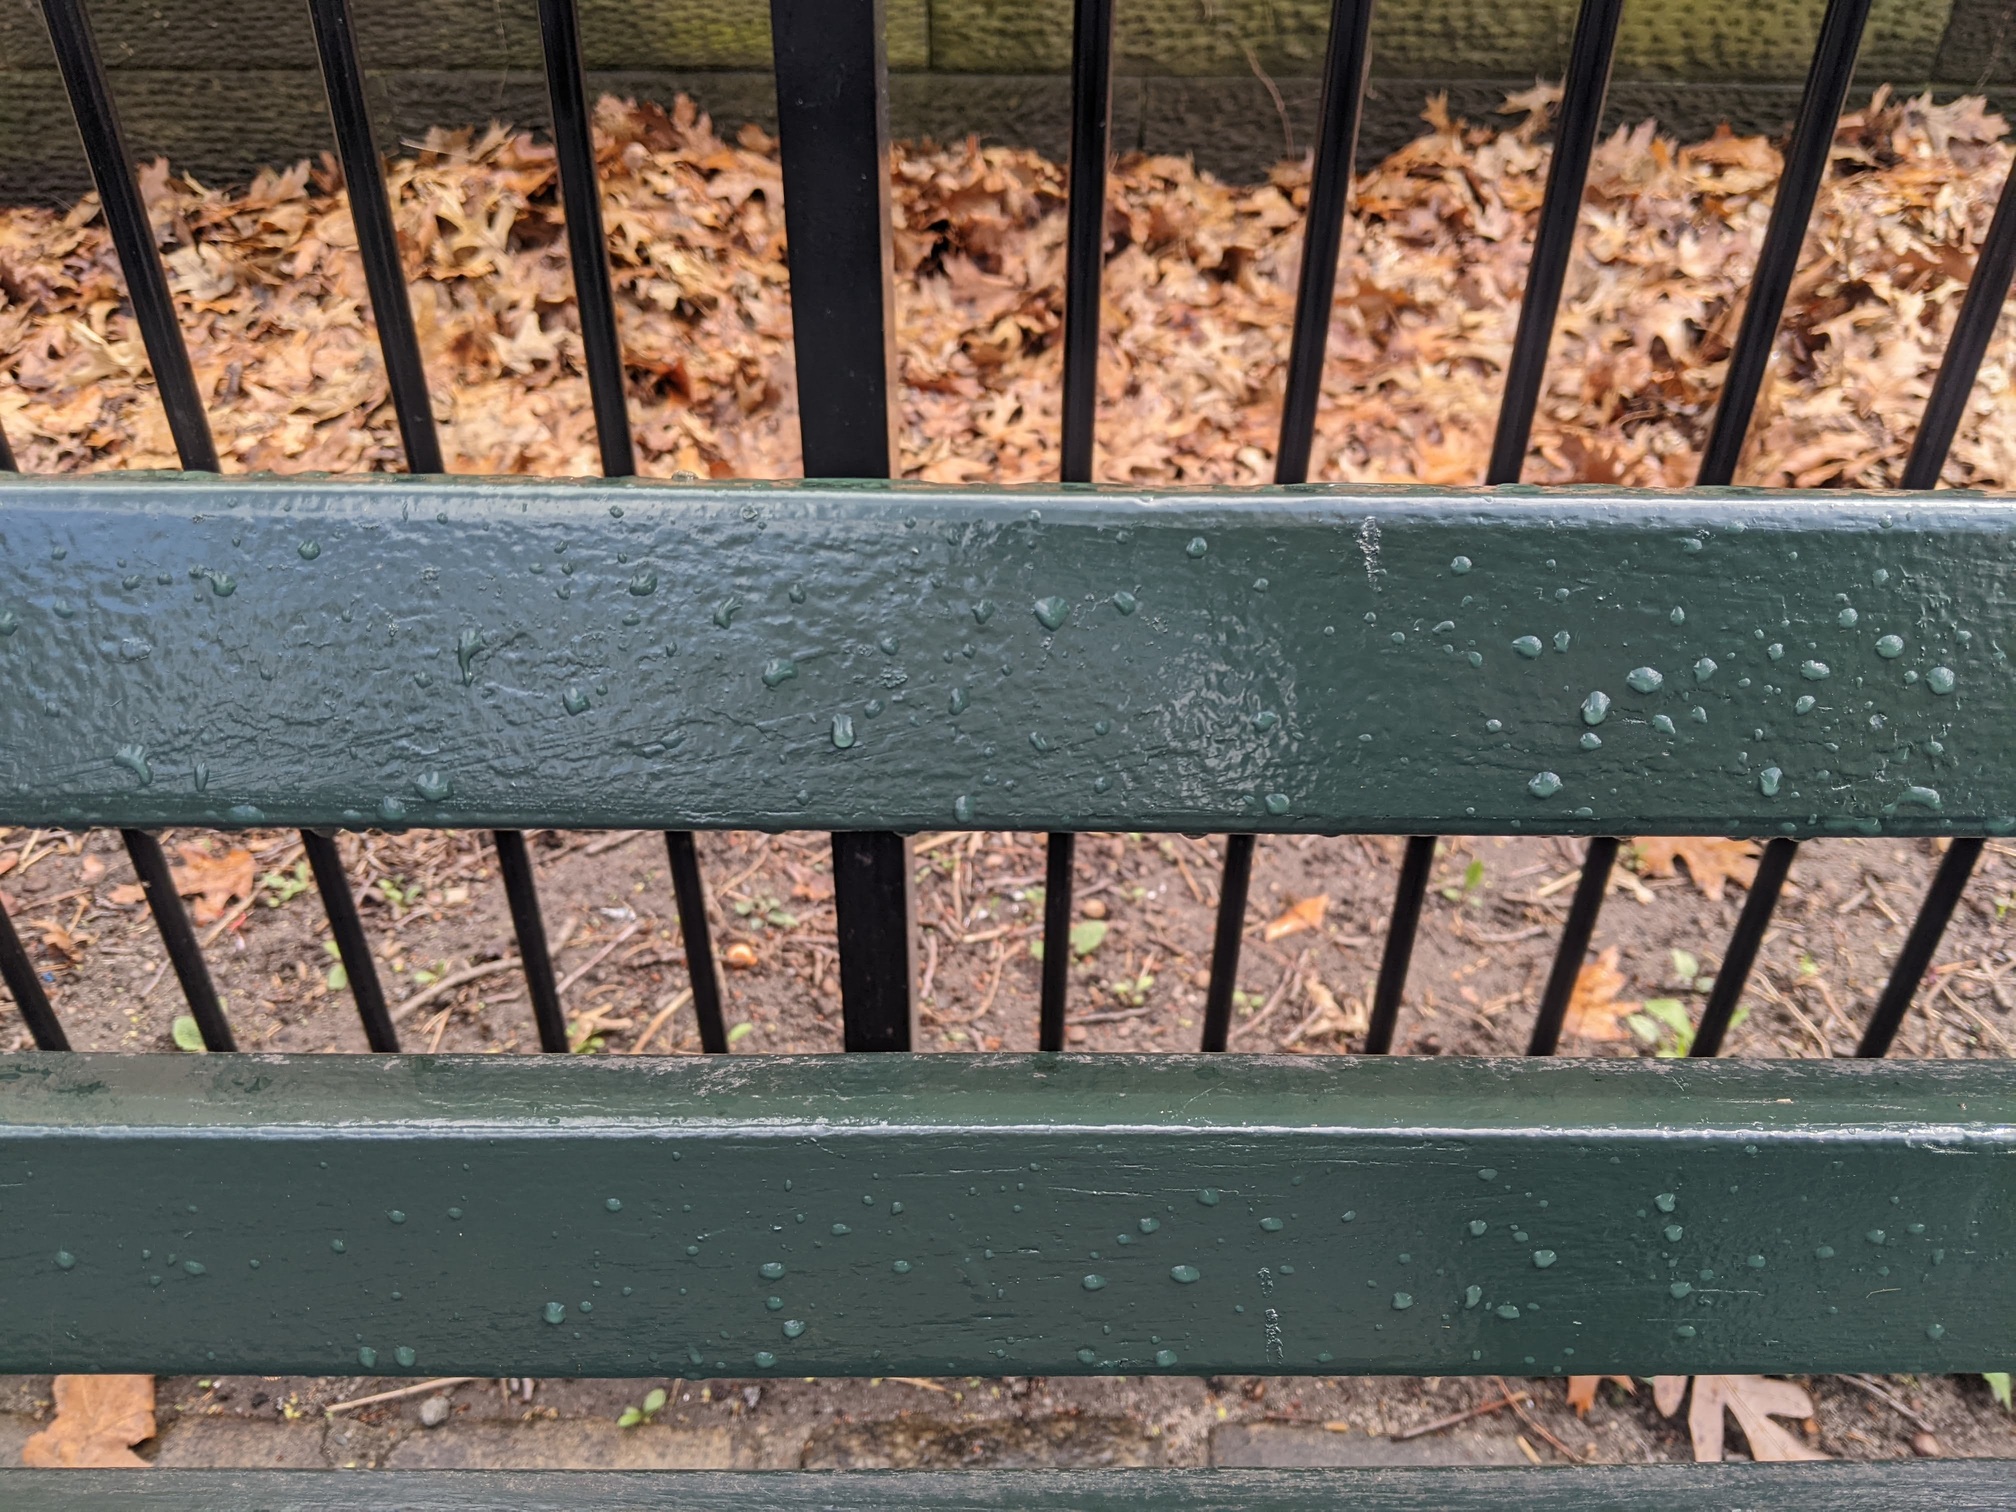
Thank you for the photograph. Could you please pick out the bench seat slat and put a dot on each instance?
(510, 654)
(805, 1216)
(1933, 1486)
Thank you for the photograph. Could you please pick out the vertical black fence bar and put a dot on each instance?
(691, 900)
(1987, 291)
(1751, 924)
(602, 348)
(1084, 263)
(587, 245)
(154, 312)
(1827, 81)
(1575, 131)
(1346, 57)
(19, 973)
(1058, 859)
(352, 945)
(377, 238)
(833, 132)
(1948, 883)
(1575, 935)
(184, 954)
(1582, 95)
(876, 926)
(1401, 929)
(132, 232)
(406, 379)
(533, 952)
(1233, 886)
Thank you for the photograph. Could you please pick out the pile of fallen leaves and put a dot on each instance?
(1199, 286)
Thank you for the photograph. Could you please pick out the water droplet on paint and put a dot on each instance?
(1890, 647)
(1940, 680)
(1402, 1301)
(1804, 704)
(1815, 671)
(1595, 707)
(1542, 1258)
(1768, 780)
(1527, 646)
(367, 1356)
(1094, 1283)
(1665, 1202)
(554, 1312)
(1197, 547)
(65, 1260)
(1590, 740)
(1125, 602)
(574, 701)
(843, 732)
(780, 669)
(1663, 725)
(1277, 803)
(1184, 1273)
(1645, 679)
(1544, 784)
(962, 809)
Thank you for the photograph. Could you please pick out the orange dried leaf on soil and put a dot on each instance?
(741, 955)
(1594, 1009)
(1709, 862)
(1754, 1401)
(1582, 1390)
(62, 940)
(214, 881)
(97, 1418)
(1307, 914)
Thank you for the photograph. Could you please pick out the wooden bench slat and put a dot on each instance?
(1929, 1486)
(461, 653)
(874, 1215)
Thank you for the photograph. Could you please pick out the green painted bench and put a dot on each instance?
(872, 659)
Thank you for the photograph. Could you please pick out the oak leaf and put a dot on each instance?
(1754, 1401)
(1582, 1390)
(1709, 862)
(1307, 914)
(214, 881)
(97, 1417)
(1594, 1009)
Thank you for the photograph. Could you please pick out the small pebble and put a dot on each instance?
(434, 1412)
(1925, 1446)
(1093, 908)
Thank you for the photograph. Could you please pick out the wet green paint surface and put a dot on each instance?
(1003, 1215)
(1950, 1486)
(503, 653)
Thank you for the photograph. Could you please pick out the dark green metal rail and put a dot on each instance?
(1951, 1486)
(387, 652)
(1044, 1215)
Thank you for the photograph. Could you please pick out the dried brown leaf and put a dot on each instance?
(1594, 1009)
(1582, 1390)
(215, 882)
(1753, 1401)
(1307, 914)
(1710, 862)
(97, 1418)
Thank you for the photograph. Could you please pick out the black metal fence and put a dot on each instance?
(833, 118)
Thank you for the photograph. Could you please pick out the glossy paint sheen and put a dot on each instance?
(1925, 1486)
(454, 653)
(869, 1215)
